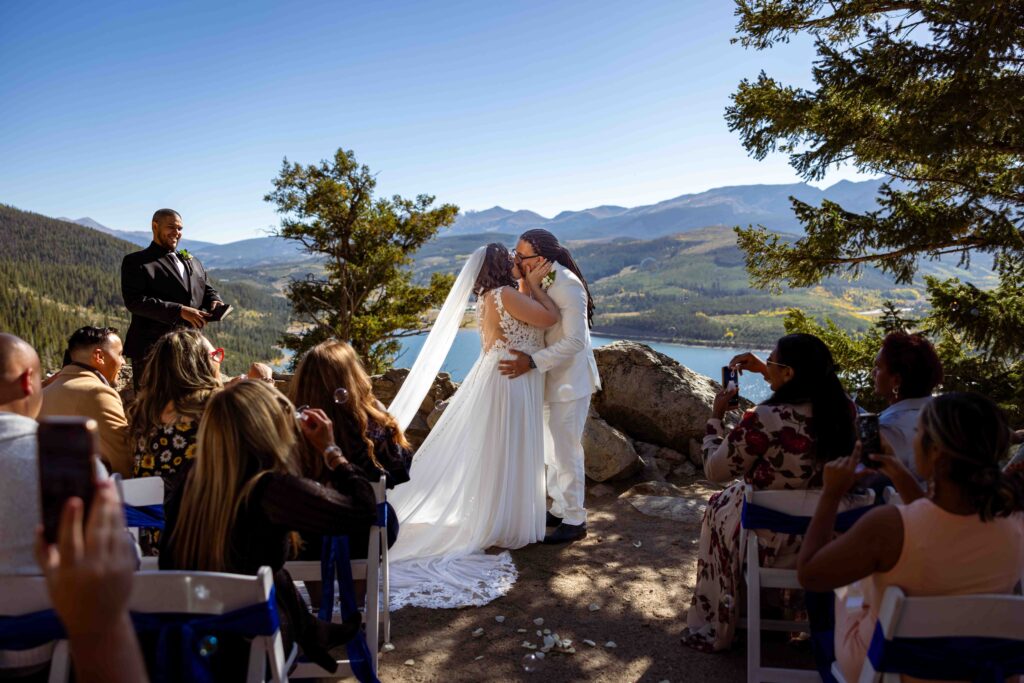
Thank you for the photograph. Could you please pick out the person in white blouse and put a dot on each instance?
(570, 377)
(907, 370)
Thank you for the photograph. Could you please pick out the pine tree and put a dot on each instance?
(367, 295)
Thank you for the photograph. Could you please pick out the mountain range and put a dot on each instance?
(767, 205)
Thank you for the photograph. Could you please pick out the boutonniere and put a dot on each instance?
(548, 280)
(184, 255)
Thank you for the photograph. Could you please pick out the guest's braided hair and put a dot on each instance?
(546, 244)
(971, 432)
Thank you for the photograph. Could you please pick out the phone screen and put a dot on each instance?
(870, 442)
(731, 380)
(66, 450)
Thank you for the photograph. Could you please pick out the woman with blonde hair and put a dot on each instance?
(244, 498)
(182, 372)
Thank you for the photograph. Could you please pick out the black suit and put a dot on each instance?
(154, 292)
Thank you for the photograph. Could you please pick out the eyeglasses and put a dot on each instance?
(781, 365)
(519, 257)
(217, 355)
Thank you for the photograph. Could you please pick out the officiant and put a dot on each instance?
(163, 288)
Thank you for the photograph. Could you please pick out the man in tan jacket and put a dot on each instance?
(85, 387)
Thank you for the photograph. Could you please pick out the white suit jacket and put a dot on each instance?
(568, 359)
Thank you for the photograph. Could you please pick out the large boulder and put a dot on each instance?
(386, 386)
(608, 453)
(650, 396)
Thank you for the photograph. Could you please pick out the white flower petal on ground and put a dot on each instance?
(539, 621)
(520, 630)
(477, 659)
(547, 631)
(388, 647)
(593, 607)
(500, 619)
(410, 662)
(477, 633)
(587, 641)
(610, 644)
(637, 544)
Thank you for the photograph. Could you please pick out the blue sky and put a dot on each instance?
(115, 109)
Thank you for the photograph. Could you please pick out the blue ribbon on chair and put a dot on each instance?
(179, 636)
(980, 660)
(759, 517)
(145, 516)
(335, 562)
(26, 631)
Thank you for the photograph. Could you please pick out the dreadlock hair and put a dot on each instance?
(546, 244)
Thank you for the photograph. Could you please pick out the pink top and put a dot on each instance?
(942, 554)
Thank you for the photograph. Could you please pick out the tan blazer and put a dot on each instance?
(77, 391)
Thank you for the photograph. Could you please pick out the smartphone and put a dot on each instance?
(67, 449)
(731, 380)
(870, 441)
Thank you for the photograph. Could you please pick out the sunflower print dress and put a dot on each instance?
(167, 450)
(770, 448)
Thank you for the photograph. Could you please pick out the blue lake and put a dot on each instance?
(705, 360)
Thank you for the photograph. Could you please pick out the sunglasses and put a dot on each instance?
(781, 365)
(217, 355)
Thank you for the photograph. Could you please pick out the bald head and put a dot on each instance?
(21, 388)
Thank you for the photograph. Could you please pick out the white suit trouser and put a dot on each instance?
(563, 456)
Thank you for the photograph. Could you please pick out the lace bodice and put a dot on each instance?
(500, 331)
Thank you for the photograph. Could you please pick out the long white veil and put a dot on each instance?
(438, 343)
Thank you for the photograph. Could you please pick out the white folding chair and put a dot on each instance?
(947, 617)
(375, 573)
(794, 504)
(212, 593)
(141, 492)
(21, 595)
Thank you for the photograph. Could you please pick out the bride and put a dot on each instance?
(478, 479)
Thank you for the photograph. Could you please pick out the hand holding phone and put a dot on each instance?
(731, 380)
(67, 448)
(870, 439)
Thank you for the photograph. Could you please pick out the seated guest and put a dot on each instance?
(782, 443)
(86, 387)
(906, 372)
(182, 371)
(21, 397)
(369, 436)
(961, 538)
(244, 497)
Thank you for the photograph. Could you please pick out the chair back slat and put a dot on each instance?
(198, 592)
(143, 491)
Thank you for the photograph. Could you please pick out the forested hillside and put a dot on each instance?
(56, 276)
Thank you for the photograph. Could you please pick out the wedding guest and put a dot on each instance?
(21, 398)
(245, 496)
(331, 377)
(86, 387)
(89, 577)
(907, 370)
(163, 290)
(261, 372)
(182, 373)
(966, 526)
(782, 443)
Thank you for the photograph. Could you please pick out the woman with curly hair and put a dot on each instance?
(782, 443)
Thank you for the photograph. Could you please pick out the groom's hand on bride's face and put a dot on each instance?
(513, 368)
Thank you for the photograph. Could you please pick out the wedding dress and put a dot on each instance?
(477, 481)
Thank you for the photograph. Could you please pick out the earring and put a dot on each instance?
(896, 393)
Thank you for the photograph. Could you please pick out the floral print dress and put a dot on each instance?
(770, 448)
(167, 451)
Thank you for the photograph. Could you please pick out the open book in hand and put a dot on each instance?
(219, 313)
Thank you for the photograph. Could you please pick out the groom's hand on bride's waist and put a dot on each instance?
(521, 365)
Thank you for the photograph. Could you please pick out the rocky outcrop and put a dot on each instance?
(608, 453)
(651, 397)
(386, 386)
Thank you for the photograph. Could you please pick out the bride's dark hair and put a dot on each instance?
(496, 270)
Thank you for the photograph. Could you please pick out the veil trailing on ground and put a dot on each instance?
(439, 342)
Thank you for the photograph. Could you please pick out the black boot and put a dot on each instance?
(566, 533)
(551, 520)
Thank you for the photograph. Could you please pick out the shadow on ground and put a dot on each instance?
(643, 593)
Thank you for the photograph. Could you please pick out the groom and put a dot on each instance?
(571, 377)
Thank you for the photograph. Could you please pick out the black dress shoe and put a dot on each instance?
(566, 533)
(551, 520)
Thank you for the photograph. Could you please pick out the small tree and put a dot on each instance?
(366, 295)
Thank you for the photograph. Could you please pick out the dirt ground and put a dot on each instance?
(643, 593)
